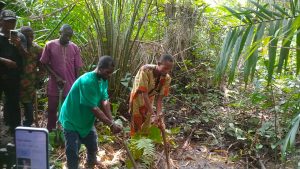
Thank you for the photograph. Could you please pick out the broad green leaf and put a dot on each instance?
(154, 134)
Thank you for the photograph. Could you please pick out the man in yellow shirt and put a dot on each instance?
(151, 81)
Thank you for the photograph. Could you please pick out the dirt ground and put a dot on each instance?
(192, 157)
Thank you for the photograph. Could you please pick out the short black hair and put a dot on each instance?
(106, 62)
(25, 29)
(66, 27)
(166, 57)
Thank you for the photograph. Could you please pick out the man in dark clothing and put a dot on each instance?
(11, 52)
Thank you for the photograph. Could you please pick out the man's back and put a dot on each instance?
(86, 93)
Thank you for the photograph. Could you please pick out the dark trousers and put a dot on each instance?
(11, 90)
(28, 113)
(73, 142)
(52, 112)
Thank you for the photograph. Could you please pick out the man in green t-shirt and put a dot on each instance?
(81, 108)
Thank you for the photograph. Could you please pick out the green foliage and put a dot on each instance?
(281, 29)
(143, 150)
(289, 141)
(235, 132)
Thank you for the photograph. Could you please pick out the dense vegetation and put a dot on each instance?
(235, 87)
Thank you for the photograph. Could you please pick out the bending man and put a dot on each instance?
(81, 108)
(151, 81)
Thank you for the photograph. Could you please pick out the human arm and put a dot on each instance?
(19, 41)
(159, 114)
(106, 106)
(102, 117)
(60, 81)
(159, 105)
(8, 63)
(148, 103)
(45, 59)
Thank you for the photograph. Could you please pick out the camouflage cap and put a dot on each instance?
(8, 15)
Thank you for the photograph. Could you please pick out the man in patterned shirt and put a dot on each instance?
(150, 82)
(31, 74)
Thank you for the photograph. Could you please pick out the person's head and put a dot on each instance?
(165, 64)
(105, 67)
(66, 33)
(8, 21)
(28, 33)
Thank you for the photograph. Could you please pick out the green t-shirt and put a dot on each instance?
(76, 112)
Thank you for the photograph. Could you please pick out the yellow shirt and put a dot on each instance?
(146, 82)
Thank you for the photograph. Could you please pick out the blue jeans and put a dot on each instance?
(73, 142)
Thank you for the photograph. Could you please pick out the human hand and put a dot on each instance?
(60, 82)
(116, 128)
(15, 40)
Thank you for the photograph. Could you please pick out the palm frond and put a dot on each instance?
(298, 51)
(286, 42)
(239, 45)
(282, 11)
(273, 32)
(289, 140)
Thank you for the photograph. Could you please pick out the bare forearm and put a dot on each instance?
(8, 63)
(159, 104)
(147, 103)
(49, 69)
(106, 107)
(101, 116)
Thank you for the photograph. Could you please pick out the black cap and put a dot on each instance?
(8, 15)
